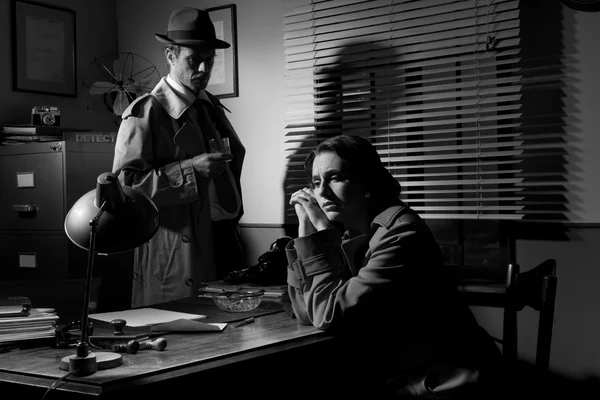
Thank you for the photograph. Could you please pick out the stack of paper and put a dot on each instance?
(17, 134)
(39, 324)
(14, 306)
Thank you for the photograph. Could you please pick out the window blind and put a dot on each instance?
(438, 86)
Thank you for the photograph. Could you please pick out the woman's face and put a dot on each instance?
(341, 197)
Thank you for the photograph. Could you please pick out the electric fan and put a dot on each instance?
(114, 81)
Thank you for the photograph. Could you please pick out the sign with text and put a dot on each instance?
(91, 137)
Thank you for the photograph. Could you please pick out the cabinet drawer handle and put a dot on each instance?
(24, 207)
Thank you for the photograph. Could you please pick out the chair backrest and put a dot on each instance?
(535, 288)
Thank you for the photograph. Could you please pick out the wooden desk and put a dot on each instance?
(261, 353)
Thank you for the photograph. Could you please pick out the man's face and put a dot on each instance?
(192, 68)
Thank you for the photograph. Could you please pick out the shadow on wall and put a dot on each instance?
(546, 74)
(347, 101)
(345, 91)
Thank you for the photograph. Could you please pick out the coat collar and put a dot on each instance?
(355, 247)
(188, 135)
(172, 101)
(388, 217)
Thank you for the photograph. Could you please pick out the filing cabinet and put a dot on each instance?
(40, 183)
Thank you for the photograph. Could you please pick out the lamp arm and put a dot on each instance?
(83, 348)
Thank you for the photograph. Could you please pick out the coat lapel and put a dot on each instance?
(189, 137)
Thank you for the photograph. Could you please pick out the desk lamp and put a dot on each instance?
(110, 219)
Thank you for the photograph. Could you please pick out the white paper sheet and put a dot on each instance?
(145, 316)
(182, 325)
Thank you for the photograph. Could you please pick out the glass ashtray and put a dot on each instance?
(238, 301)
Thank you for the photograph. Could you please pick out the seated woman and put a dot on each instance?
(367, 268)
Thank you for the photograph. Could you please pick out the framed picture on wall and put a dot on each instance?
(224, 79)
(43, 42)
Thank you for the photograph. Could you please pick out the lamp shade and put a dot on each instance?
(128, 219)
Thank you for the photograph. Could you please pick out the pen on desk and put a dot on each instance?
(245, 322)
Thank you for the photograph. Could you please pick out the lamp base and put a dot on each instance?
(92, 363)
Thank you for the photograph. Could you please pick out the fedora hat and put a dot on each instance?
(190, 27)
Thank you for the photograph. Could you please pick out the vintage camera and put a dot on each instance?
(45, 115)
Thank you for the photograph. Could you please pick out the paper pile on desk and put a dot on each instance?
(183, 325)
(145, 316)
(39, 324)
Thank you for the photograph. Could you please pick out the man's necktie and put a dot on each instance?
(223, 183)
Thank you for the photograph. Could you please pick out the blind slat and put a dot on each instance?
(406, 125)
(438, 87)
(399, 21)
(397, 57)
(396, 45)
(356, 10)
(323, 78)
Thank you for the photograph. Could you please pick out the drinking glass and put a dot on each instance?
(220, 145)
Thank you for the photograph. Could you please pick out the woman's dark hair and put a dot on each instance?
(364, 165)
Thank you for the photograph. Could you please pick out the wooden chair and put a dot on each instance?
(535, 288)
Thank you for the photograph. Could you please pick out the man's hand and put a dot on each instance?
(210, 165)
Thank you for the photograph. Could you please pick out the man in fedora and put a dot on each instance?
(162, 149)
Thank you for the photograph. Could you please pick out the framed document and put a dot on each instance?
(224, 79)
(44, 51)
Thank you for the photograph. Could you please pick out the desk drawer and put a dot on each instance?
(33, 256)
(32, 192)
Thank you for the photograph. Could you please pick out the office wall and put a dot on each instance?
(582, 97)
(257, 115)
(95, 36)
(575, 350)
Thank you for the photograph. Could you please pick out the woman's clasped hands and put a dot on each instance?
(310, 215)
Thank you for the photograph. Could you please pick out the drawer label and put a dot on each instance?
(27, 260)
(25, 179)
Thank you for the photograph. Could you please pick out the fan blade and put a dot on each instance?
(103, 87)
(128, 68)
(121, 103)
(118, 70)
(149, 81)
(145, 85)
(123, 67)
